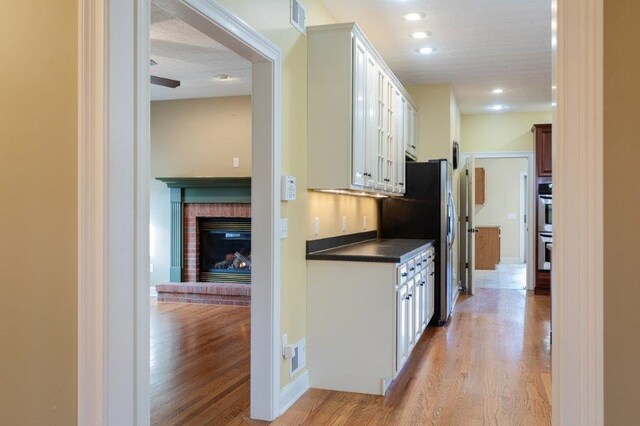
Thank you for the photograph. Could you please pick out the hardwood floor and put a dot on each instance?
(490, 365)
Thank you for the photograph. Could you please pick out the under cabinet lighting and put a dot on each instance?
(222, 77)
(497, 107)
(354, 193)
(497, 91)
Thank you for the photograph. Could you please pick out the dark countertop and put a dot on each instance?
(384, 250)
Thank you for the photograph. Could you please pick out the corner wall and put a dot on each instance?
(38, 212)
(501, 132)
(271, 18)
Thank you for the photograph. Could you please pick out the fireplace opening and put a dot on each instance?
(225, 250)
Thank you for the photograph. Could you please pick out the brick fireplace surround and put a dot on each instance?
(189, 198)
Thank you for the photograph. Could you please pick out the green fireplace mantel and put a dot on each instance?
(198, 190)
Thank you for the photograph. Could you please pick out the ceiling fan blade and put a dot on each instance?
(166, 82)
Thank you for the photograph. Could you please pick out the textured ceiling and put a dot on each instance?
(185, 54)
(482, 45)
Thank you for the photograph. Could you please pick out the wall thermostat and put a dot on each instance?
(288, 188)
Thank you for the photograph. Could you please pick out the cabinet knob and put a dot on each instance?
(412, 269)
(422, 283)
(433, 273)
(400, 183)
(404, 274)
(413, 146)
(386, 180)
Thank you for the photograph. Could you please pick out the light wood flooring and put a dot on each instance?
(489, 366)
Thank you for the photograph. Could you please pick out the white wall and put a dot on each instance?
(192, 137)
(503, 198)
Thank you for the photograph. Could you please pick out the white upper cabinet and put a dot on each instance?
(359, 115)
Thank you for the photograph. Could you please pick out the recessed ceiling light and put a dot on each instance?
(554, 87)
(413, 16)
(222, 77)
(420, 34)
(427, 50)
(497, 107)
(497, 91)
(554, 104)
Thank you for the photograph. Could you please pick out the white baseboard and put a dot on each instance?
(510, 260)
(293, 391)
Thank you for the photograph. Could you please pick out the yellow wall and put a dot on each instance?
(38, 220)
(500, 132)
(434, 103)
(621, 211)
(502, 198)
(271, 18)
(192, 137)
(200, 137)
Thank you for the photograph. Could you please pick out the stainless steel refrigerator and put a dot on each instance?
(427, 211)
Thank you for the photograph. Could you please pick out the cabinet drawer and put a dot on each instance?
(403, 273)
(412, 267)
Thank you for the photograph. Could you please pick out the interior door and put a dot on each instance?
(471, 229)
(464, 236)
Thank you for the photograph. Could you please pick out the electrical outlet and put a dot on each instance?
(344, 224)
(512, 216)
(284, 228)
(364, 223)
(316, 226)
(151, 267)
(236, 162)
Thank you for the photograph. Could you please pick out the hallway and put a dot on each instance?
(490, 365)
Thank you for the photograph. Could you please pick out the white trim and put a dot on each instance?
(522, 210)
(293, 391)
(91, 215)
(113, 163)
(577, 274)
(531, 172)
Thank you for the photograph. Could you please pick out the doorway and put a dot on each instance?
(496, 217)
(200, 230)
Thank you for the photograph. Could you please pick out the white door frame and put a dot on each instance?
(113, 289)
(530, 171)
(577, 274)
(113, 216)
(524, 212)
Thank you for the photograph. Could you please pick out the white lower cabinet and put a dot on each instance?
(364, 318)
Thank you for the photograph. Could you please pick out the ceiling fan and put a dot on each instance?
(162, 81)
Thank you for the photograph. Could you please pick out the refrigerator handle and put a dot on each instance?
(452, 219)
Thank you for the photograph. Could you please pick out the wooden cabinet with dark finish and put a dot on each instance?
(487, 247)
(542, 136)
(481, 187)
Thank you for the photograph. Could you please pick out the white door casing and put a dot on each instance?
(113, 134)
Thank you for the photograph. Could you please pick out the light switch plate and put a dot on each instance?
(284, 228)
(236, 162)
(344, 224)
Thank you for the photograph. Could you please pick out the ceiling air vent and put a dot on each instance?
(298, 16)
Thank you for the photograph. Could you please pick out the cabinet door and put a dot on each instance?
(424, 300)
(418, 299)
(381, 140)
(410, 130)
(431, 281)
(399, 102)
(359, 127)
(410, 313)
(402, 335)
(390, 128)
(543, 149)
(372, 122)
